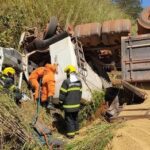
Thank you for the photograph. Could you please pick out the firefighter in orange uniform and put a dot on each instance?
(34, 80)
(48, 83)
(47, 74)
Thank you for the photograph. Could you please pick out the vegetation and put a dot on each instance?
(15, 124)
(95, 138)
(16, 131)
(15, 15)
(130, 7)
(11, 125)
(88, 111)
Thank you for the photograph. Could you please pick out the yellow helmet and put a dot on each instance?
(70, 69)
(8, 70)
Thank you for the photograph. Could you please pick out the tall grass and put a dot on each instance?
(17, 14)
(88, 111)
(95, 138)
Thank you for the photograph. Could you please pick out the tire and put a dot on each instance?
(51, 28)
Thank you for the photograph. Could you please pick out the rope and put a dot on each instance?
(37, 115)
(38, 104)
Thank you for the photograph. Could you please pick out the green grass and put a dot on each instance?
(88, 110)
(22, 118)
(14, 119)
(15, 15)
(95, 138)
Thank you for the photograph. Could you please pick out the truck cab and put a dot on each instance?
(65, 51)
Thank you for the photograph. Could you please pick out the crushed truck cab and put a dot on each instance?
(10, 57)
(64, 52)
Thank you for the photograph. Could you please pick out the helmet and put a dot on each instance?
(70, 69)
(8, 70)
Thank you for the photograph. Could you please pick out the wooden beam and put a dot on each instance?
(134, 89)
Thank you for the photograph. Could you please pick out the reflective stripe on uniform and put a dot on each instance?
(71, 133)
(71, 89)
(3, 77)
(1, 87)
(74, 89)
(64, 90)
(12, 87)
(71, 106)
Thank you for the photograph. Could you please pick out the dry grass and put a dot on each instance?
(13, 132)
(15, 124)
(15, 15)
(95, 137)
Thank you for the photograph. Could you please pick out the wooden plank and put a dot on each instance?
(134, 89)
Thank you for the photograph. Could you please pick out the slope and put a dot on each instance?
(135, 133)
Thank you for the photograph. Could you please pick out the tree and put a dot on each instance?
(131, 7)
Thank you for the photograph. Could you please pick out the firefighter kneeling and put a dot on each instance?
(7, 84)
(70, 95)
(47, 74)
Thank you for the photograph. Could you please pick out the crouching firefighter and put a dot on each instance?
(70, 95)
(7, 83)
(46, 74)
(48, 84)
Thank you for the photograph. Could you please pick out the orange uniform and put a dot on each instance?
(48, 82)
(47, 74)
(33, 79)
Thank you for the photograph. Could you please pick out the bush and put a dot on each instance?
(89, 110)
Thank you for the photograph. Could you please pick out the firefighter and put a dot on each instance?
(48, 84)
(70, 95)
(34, 78)
(7, 83)
(46, 74)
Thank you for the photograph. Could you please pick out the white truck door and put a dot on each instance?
(63, 53)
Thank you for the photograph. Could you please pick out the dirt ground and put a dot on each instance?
(135, 133)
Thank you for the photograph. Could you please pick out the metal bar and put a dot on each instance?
(137, 61)
(134, 109)
(132, 117)
(135, 46)
(134, 89)
(139, 80)
(130, 58)
(139, 69)
(20, 80)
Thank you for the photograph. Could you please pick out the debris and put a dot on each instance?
(134, 89)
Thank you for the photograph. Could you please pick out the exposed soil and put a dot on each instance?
(135, 133)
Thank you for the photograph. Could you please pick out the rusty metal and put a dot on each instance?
(89, 34)
(114, 29)
(116, 26)
(134, 89)
(144, 21)
(136, 58)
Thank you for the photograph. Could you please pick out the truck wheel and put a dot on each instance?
(51, 28)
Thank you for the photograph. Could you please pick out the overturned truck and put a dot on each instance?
(94, 49)
(57, 46)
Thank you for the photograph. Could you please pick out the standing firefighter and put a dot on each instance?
(70, 95)
(47, 75)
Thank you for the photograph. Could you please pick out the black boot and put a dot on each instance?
(50, 105)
